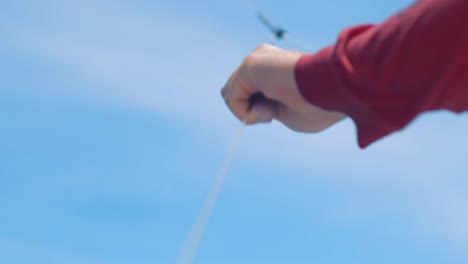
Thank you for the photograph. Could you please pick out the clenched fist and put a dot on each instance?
(270, 72)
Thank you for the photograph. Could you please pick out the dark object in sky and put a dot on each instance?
(277, 31)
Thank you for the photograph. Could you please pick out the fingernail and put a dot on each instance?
(251, 118)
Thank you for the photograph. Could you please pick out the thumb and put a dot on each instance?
(263, 111)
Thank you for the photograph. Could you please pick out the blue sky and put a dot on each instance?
(113, 129)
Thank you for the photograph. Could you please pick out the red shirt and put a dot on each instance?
(384, 75)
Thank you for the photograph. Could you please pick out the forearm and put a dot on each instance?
(383, 76)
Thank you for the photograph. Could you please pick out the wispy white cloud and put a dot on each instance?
(158, 63)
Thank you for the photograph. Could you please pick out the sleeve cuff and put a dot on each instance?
(323, 82)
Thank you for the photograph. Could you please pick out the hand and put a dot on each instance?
(270, 71)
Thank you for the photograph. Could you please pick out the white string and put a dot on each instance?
(189, 250)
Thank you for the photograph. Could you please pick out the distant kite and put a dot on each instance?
(278, 32)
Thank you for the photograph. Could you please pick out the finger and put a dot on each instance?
(263, 111)
(225, 89)
(237, 95)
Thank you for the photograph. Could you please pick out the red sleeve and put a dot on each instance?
(385, 75)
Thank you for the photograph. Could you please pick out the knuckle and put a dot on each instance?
(264, 46)
(248, 60)
(224, 93)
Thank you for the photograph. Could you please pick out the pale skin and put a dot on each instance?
(269, 70)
